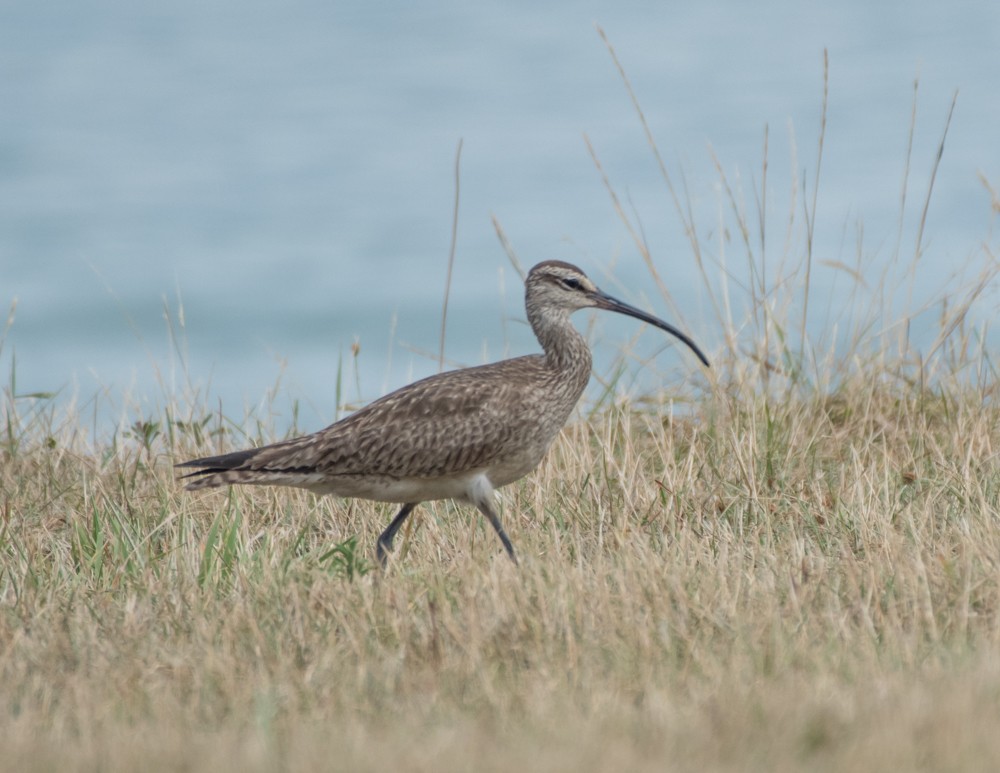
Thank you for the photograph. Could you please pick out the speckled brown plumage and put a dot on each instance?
(456, 435)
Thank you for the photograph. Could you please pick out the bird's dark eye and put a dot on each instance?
(570, 284)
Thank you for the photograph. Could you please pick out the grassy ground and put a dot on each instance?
(787, 585)
(799, 569)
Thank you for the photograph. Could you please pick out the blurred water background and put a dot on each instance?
(278, 179)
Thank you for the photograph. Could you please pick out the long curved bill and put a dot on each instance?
(604, 301)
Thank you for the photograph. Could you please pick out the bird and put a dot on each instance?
(459, 434)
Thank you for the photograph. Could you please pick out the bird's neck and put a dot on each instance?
(566, 351)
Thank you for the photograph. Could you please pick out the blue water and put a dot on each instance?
(281, 176)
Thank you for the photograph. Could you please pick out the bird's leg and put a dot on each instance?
(386, 538)
(487, 508)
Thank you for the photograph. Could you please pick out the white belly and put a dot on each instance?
(401, 490)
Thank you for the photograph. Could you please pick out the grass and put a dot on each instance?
(794, 565)
(772, 586)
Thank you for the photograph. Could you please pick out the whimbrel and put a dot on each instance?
(456, 435)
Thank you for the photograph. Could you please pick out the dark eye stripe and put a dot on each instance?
(570, 283)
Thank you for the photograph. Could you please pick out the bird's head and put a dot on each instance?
(555, 286)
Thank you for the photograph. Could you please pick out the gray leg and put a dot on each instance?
(486, 507)
(386, 538)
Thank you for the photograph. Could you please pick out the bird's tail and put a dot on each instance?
(224, 470)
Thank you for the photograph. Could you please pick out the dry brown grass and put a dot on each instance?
(762, 584)
(796, 569)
